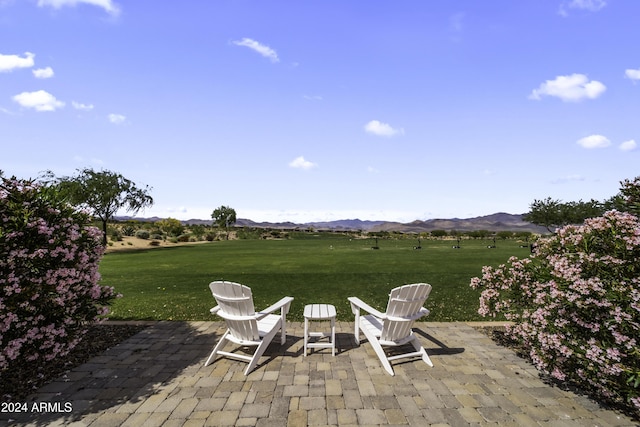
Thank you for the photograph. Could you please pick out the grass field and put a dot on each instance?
(172, 283)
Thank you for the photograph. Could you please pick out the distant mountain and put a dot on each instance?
(131, 218)
(496, 222)
(241, 222)
(343, 224)
(347, 224)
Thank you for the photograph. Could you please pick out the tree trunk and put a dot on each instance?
(104, 233)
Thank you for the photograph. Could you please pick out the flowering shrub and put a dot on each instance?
(575, 305)
(49, 289)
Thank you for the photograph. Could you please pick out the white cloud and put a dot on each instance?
(312, 97)
(108, 5)
(629, 145)
(568, 178)
(11, 62)
(575, 87)
(43, 73)
(263, 50)
(632, 74)
(80, 106)
(117, 119)
(301, 163)
(39, 101)
(594, 141)
(378, 128)
(589, 5)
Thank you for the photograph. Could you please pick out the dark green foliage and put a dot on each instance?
(102, 193)
(128, 230)
(223, 217)
(142, 234)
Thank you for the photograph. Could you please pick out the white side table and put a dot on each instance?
(320, 312)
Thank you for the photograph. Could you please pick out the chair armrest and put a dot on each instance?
(357, 304)
(423, 312)
(282, 305)
(215, 309)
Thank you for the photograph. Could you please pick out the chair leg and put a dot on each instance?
(356, 331)
(373, 340)
(382, 356)
(266, 340)
(221, 343)
(333, 336)
(416, 344)
(283, 327)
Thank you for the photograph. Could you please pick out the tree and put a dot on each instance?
(554, 214)
(524, 235)
(171, 226)
(103, 194)
(439, 233)
(577, 212)
(628, 199)
(504, 234)
(546, 213)
(198, 230)
(223, 217)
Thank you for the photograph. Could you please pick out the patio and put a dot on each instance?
(157, 378)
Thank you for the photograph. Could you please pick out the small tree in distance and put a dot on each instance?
(170, 226)
(224, 216)
(103, 194)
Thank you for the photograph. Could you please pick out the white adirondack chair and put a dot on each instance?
(245, 326)
(393, 328)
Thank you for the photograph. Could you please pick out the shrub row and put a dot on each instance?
(49, 291)
(575, 304)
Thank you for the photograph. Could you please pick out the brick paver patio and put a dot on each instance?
(157, 378)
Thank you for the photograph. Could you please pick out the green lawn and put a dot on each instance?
(172, 283)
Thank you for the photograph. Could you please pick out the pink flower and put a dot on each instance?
(575, 303)
(48, 274)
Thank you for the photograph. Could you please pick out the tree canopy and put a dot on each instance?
(552, 213)
(103, 193)
(224, 216)
(171, 226)
(630, 195)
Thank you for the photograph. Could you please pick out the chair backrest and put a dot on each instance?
(236, 307)
(404, 302)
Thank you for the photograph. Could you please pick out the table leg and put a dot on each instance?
(306, 335)
(333, 336)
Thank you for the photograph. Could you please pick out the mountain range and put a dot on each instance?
(496, 222)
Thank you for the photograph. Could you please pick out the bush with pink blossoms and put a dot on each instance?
(575, 305)
(49, 291)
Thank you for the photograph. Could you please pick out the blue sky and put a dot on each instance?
(324, 110)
